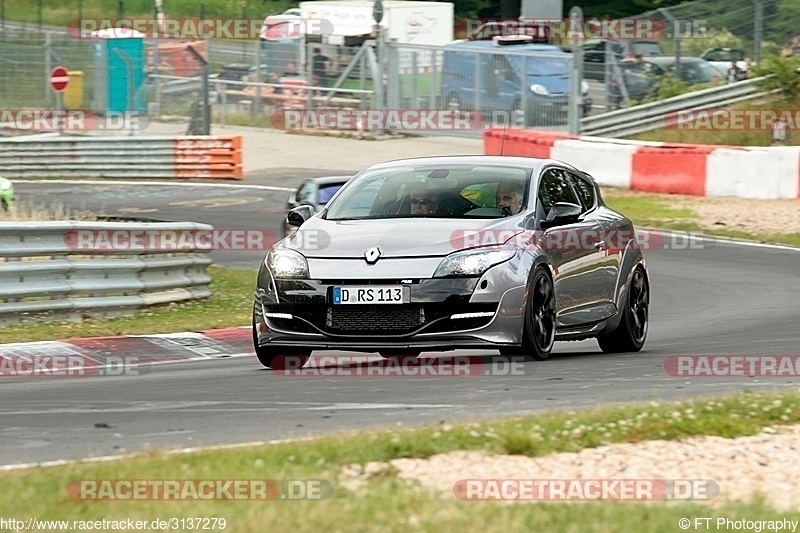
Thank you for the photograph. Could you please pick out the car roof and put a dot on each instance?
(669, 60)
(327, 180)
(531, 163)
(527, 47)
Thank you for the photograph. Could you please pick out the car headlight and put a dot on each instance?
(285, 263)
(539, 89)
(473, 262)
(5, 184)
(584, 87)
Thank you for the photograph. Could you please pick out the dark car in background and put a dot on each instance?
(640, 79)
(314, 192)
(692, 70)
(595, 52)
(454, 253)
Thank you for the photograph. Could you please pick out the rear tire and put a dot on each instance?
(630, 334)
(279, 358)
(539, 329)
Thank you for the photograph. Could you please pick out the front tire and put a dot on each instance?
(539, 329)
(276, 359)
(630, 334)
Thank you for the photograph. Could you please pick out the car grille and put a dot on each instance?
(372, 319)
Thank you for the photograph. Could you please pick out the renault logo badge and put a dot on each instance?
(372, 255)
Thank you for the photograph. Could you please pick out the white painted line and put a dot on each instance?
(177, 451)
(723, 240)
(161, 183)
(348, 406)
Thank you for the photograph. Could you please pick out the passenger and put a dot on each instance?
(509, 198)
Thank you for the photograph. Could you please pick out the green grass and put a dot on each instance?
(647, 210)
(60, 12)
(230, 305)
(390, 503)
(727, 137)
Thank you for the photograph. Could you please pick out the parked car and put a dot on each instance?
(692, 69)
(640, 79)
(314, 192)
(723, 58)
(454, 253)
(6, 194)
(508, 81)
(595, 52)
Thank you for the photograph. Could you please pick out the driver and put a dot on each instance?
(424, 201)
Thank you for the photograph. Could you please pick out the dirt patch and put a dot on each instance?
(737, 214)
(740, 468)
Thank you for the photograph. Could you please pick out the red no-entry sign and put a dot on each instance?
(59, 79)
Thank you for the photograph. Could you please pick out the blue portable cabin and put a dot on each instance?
(112, 74)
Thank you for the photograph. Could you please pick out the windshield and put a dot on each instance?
(697, 72)
(326, 192)
(646, 48)
(441, 191)
(543, 65)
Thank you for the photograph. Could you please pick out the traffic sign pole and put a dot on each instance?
(59, 79)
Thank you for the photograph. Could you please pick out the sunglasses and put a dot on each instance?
(423, 201)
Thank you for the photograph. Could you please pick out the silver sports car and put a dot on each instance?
(448, 253)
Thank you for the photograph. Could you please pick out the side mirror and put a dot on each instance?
(298, 215)
(562, 213)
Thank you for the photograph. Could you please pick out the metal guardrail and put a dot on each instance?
(123, 157)
(47, 272)
(654, 115)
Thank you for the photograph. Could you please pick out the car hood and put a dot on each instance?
(398, 237)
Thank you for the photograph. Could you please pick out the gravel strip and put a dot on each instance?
(742, 467)
(738, 214)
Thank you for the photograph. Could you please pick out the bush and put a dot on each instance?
(783, 72)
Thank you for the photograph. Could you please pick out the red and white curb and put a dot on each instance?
(144, 349)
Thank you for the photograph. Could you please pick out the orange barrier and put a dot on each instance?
(675, 169)
(174, 59)
(218, 156)
(515, 142)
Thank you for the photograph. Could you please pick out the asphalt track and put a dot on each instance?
(711, 298)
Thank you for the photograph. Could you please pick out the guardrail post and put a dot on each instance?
(204, 90)
(576, 74)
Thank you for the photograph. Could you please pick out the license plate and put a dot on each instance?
(371, 294)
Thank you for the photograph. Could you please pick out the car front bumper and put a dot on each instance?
(443, 314)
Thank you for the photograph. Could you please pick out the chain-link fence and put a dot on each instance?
(26, 60)
(756, 26)
(508, 85)
(250, 82)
